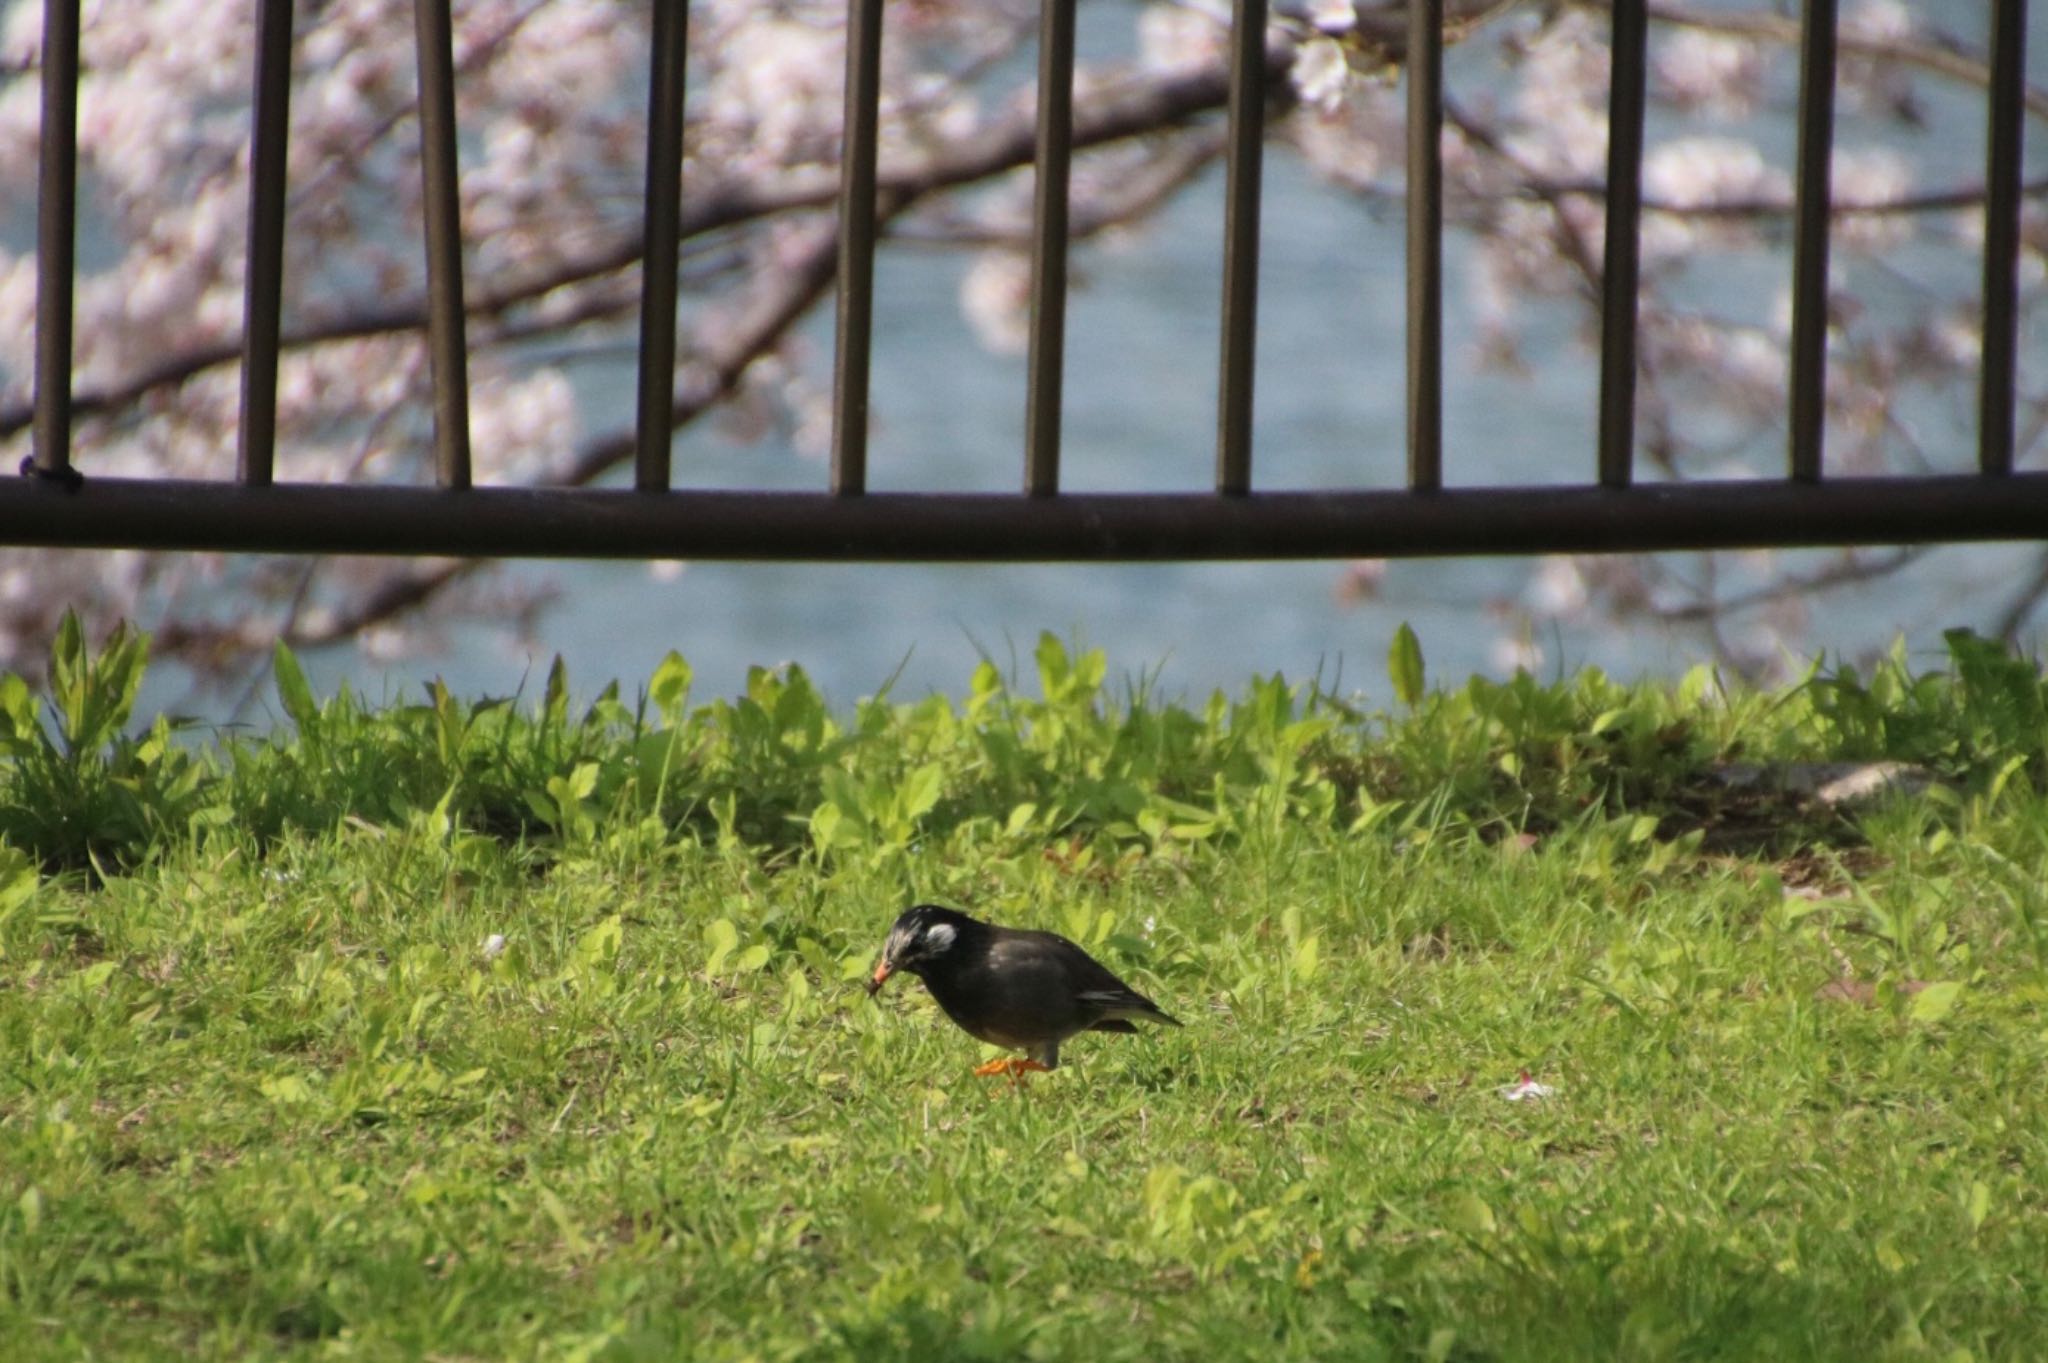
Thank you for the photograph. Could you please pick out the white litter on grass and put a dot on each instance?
(494, 946)
(1526, 1088)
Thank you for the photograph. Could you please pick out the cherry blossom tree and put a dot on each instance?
(551, 100)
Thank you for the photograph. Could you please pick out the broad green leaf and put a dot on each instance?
(826, 825)
(921, 790)
(1093, 667)
(292, 691)
(721, 936)
(2013, 766)
(94, 976)
(1936, 1001)
(600, 944)
(670, 688)
(583, 780)
(1053, 667)
(18, 709)
(1696, 685)
(1307, 957)
(67, 674)
(817, 957)
(555, 700)
(439, 822)
(287, 1090)
(986, 683)
(849, 794)
(94, 693)
(1468, 1214)
(1404, 666)
(19, 880)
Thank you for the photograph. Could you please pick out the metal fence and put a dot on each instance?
(56, 504)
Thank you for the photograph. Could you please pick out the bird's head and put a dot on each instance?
(920, 936)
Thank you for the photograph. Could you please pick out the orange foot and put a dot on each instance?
(1013, 1065)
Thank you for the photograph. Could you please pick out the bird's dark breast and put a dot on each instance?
(973, 1014)
(995, 1007)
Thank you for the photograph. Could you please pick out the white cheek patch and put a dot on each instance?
(938, 937)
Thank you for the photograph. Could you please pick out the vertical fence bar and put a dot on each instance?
(1241, 190)
(1997, 390)
(856, 248)
(1425, 245)
(56, 242)
(1619, 270)
(1049, 247)
(263, 287)
(655, 432)
(447, 344)
(1810, 241)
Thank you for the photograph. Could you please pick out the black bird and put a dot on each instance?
(1011, 987)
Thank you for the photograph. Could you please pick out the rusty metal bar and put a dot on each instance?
(263, 284)
(1241, 189)
(446, 341)
(1618, 272)
(1997, 386)
(856, 248)
(1425, 245)
(622, 523)
(655, 433)
(56, 243)
(1810, 241)
(1049, 247)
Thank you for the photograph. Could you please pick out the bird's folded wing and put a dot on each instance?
(1124, 1002)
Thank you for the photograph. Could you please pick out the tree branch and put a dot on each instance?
(1144, 190)
(759, 328)
(1932, 201)
(1774, 28)
(1143, 107)
(1849, 571)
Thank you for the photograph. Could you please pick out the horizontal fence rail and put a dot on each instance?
(56, 503)
(584, 523)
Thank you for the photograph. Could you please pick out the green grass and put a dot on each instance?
(266, 1096)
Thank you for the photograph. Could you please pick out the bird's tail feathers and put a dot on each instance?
(1124, 1005)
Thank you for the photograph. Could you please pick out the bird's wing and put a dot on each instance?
(1125, 1002)
(1090, 982)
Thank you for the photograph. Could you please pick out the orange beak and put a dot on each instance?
(883, 970)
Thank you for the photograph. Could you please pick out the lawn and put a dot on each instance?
(534, 1029)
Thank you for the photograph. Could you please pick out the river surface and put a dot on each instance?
(1140, 415)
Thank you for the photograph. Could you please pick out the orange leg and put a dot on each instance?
(1015, 1066)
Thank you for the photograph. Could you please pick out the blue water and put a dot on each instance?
(1140, 385)
(1140, 415)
